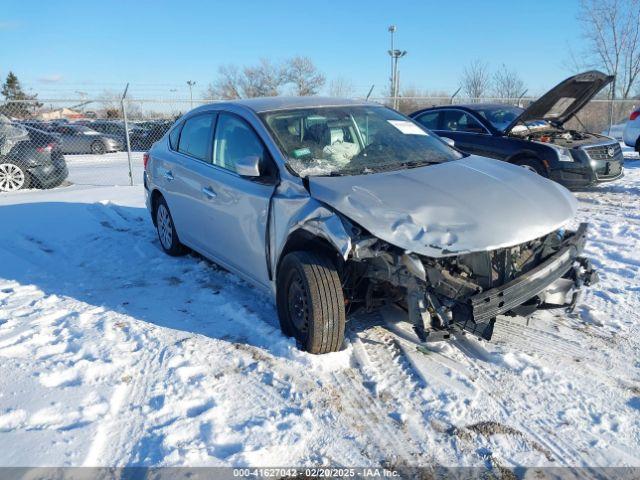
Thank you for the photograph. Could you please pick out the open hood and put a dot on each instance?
(468, 205)
(564, 100)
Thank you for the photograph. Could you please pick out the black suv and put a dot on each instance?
(29, 158)
(535, 138)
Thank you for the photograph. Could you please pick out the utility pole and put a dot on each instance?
(395, 56)
(191, 83)
(392, 80)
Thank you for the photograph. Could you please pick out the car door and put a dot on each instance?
(235, 226)
(180, 173)
(70, 141)
(466, 131)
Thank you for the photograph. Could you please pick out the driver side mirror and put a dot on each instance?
(248, 166)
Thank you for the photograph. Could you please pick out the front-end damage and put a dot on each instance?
(467, 291)
(507, 257)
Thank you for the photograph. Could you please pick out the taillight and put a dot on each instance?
(634, 115)
(145, 159)
(46, 149)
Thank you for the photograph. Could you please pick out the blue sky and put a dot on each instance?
(64, 46)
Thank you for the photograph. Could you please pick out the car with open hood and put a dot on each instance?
(334, 206)
(536, 137)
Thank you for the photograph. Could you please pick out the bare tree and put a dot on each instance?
(228, 85)
(341, 87)
(262, 80)
(303, 74)
(507, 84)
(475, 79)
(111, 102)
(413, 98)
(612, 31)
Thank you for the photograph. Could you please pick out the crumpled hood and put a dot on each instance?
(467, 205)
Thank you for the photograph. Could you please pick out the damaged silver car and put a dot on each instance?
(334, 206)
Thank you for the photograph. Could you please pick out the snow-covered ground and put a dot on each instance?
(112, 353)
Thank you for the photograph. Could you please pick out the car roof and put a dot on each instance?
(471, 106)
(268, 104)
(476, 106)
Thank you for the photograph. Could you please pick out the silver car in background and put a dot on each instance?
(81, 139)
(334, 206)
(631, 132)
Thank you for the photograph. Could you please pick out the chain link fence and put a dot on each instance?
(48, 143)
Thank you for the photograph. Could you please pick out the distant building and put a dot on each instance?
(60, 113)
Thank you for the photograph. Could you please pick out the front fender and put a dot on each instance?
(293, 209)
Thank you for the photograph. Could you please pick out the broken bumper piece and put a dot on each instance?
(553, 283)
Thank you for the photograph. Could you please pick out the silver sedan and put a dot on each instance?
(81, 139)
(334, 206)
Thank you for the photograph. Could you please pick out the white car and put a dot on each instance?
(631, 134)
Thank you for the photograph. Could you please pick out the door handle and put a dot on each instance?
(168, 175)
(208, 191)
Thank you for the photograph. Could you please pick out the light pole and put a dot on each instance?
(191, 83)
(392, 30)
(395, 55)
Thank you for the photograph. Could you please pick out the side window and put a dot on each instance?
(429, 120)
(173, 137)
(458, 121)
(195, 136)
(235, 139)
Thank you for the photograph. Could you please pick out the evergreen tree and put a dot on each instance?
(17, 103)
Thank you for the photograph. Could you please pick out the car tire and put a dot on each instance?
(637, 147)
(310, 301)
(13, 177)
(533, 165)
(98, 148)
(167, 234)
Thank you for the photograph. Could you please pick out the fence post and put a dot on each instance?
(126, 133)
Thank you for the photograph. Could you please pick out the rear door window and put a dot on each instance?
(429, 120)
(173, 137)
(195, 138)
(459, 121)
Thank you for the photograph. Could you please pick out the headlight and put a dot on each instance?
(564, 155)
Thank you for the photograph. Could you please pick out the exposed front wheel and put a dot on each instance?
(533, 165)
(98, 148)
(310, 301)
(12, 177)
(167, 231)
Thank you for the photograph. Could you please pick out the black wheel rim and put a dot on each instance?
(298, 304)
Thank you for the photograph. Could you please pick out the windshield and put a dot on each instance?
(501, 116)
(353, 140)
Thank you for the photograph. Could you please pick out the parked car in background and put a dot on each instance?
(153, 131)
(81, 139)
(535, 138)
(631, 133)
(116, 130)
(29, 158)
(335, 205)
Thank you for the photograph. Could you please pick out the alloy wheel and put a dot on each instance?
(298, 304)
(11, 177)
(165, 227)
(97, 148)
